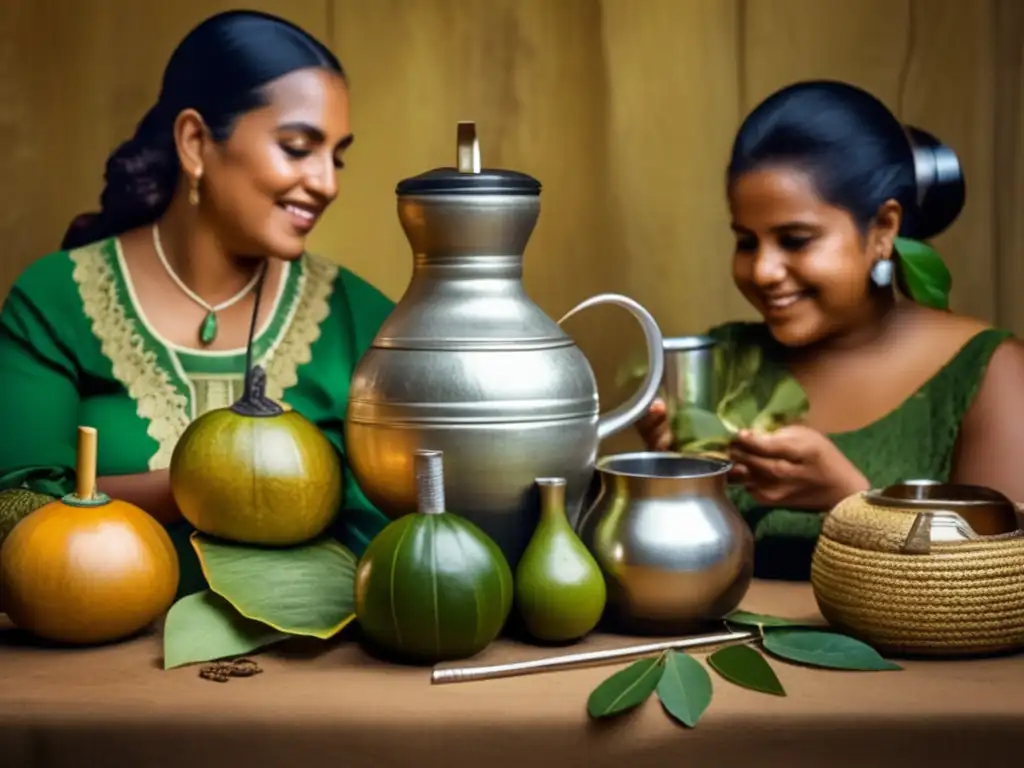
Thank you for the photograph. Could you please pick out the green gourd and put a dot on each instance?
(432, 586)
(560, 590)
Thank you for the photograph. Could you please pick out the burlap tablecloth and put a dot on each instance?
(115, 707)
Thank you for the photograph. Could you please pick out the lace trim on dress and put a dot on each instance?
(156, 398)
(311, 307)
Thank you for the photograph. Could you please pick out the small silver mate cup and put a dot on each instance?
(690, 373)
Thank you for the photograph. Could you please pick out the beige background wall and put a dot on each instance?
(624, 109)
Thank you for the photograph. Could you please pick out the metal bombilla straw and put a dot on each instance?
(429, 466)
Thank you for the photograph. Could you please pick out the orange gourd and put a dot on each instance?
(87, 569)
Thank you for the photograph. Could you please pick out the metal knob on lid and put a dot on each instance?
(469, 178)
(469, 148)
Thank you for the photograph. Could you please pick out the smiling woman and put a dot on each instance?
(822, 183)
(139, 324)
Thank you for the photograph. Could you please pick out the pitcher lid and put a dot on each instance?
(468, 178)
(450, 181)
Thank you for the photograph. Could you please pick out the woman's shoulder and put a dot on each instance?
(50, 284)
(360, 305)
(349, 290)
(963, 337)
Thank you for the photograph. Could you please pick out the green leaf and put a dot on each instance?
(787, 405)
(693, 425)
(684, 688)
(738, 409)
(742, 665)
(825, 649)
(626, 689)
(747, 619)
(740, 365)
(303, 590)
(922, 274)
(205, 627)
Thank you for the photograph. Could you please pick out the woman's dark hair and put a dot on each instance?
(857, 154)
(220, 70)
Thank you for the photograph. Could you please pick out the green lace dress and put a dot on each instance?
(916, 441)
(76, 349)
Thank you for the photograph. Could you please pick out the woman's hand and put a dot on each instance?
(796, 467)
(654, 428)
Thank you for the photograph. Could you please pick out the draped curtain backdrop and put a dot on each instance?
(624, 109)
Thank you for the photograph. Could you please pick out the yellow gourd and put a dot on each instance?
(87, 569)
(255, 473)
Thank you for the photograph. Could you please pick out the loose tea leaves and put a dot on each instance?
(744, 666)
(626, 689)
(223, 671)
(684, 688)
(825, 649)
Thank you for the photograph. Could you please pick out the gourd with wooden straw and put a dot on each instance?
(86, 568)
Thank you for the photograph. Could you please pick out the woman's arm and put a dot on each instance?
(149, 490)
(988, 447)
(39, 398)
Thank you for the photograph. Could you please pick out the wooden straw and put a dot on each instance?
(85, 467)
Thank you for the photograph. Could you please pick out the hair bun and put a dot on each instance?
(941, 189)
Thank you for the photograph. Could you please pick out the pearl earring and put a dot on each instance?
(193, 193)
(881, 272)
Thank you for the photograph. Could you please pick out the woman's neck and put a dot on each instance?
(199, 258)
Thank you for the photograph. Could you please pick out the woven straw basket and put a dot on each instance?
(878, 574)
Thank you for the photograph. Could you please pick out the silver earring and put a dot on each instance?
(881, 273)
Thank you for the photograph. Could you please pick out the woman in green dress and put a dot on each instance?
(822, 180)
(139, 324)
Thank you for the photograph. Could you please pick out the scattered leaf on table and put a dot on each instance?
(922, 274)
(303, 590)
(626, 689)
(748, 619)
(205, 627)
(744, 666)
(684, 688)
(825, 649)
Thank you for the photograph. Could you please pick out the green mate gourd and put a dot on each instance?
(255, 473)
(432, 586)
(16, 504)
(560, 591)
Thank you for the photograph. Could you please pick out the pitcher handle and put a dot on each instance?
(630, 411)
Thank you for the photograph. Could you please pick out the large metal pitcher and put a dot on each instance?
(469, 365)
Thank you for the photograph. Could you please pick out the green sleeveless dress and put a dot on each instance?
(915, 441)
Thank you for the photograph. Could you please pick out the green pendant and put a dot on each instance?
(208, 330)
